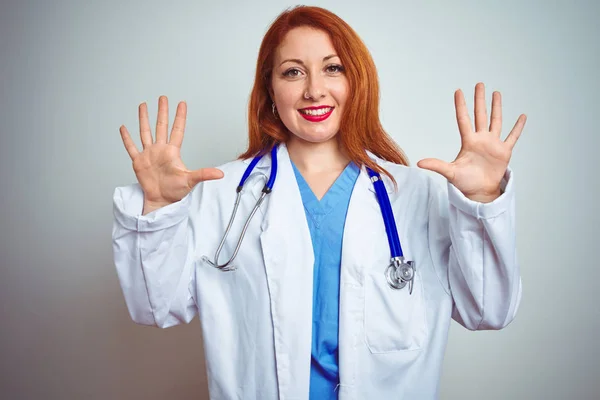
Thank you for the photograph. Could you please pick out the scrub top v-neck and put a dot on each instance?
(326, 219)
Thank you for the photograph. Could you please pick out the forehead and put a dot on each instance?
(305, 43)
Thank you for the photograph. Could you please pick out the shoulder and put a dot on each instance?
(409, 178)
(415, 189)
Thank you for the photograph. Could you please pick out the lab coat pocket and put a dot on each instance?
(394, 319)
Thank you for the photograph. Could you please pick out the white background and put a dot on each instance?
(72, 72)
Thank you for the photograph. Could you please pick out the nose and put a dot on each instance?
(315, 88)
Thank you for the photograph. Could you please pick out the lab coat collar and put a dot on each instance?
(265, 164)
(389, 185)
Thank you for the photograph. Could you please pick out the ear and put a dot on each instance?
(271, 94)
(269, 85)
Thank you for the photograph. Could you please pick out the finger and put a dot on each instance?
(179, 125)
(128, 142)
(513, 136)
(496, 118)
(145, 133)
(441, 167)
(480, 108)
(462, 114)
(162, 120)
(204, 174)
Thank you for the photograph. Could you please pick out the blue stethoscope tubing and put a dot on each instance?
(397, 274)
(269, 185)
(386, 211)
(268, 188)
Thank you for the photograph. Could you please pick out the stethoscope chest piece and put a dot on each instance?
(400, 273)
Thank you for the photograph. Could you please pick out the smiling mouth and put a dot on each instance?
(315, 111)
(316, 114)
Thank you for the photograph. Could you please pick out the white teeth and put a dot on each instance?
(319, 111)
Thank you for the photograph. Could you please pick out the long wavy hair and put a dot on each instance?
(360, 127)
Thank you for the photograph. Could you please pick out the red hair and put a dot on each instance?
(360, 127)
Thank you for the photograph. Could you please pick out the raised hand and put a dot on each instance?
(159, 169)
(483, 158)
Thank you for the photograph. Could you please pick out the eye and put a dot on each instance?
(334, 69)
(292, 73)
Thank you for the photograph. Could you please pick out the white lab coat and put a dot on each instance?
(256, 321)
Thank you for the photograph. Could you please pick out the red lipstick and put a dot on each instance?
(316, 118)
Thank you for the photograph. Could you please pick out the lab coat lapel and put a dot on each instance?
(362, 220)
(289, 259)
(364, 227)
(362, 232)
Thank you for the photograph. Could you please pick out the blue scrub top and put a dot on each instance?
(326, 219)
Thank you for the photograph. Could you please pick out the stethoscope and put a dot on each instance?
(398, 273)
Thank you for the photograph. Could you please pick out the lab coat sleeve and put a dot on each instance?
(473, 249)
(154, 256)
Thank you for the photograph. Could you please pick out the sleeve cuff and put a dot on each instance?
(484, 210)
(128, 204)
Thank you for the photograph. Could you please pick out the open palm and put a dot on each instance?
(483, 158)
(159, 169)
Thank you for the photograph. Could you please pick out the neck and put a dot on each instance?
(316, 158)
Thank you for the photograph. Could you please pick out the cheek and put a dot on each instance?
(340, 91)
(285, 94)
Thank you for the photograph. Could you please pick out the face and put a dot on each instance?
(309, 85)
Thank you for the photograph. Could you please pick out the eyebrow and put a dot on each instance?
(296, 60)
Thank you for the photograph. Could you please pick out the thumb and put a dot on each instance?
(441, 167)
(204, 174)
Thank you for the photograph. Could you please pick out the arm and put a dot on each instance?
(154, 257)
(473, 250)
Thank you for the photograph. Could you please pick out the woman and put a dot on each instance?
(310, 306)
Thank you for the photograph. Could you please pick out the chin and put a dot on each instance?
(315, 137)
(315, 133)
